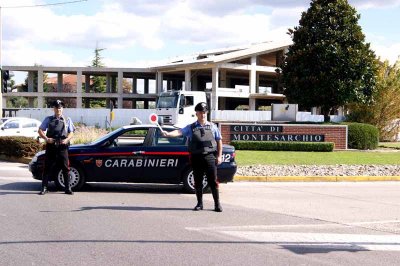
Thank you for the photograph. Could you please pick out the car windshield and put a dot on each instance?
(167, 101)
(97, 141)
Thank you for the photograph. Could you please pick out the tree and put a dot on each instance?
(329, 63)
(384, 109)
(17, 102)
(98, 82)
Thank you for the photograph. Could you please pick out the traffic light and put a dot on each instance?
(5, 77)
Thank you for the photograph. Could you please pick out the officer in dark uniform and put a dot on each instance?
(205, 147)
(59, 131)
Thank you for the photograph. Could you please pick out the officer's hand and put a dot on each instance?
(164, 133)
(219, 160)
(50, 140)
(64, 141)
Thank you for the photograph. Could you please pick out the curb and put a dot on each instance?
(315, 178)
(241, 178)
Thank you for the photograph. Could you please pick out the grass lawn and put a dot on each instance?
(395, 145)
(337, 157)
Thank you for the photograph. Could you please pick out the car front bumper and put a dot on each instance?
(226, 174)
(36, 170)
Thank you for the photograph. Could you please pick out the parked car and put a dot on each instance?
(20, 126)
(134, 154)
(4, 119)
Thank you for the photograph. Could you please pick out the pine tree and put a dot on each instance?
(329, 63)
(98, 82)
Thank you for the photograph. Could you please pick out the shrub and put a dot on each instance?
(19, 146)
(362, 136)
(84, 134)
(283, 146)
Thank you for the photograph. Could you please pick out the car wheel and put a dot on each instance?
(188, 182)
(76, 179)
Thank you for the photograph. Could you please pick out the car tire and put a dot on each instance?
(77, 179)
(188, 182)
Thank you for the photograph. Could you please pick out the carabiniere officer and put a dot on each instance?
(59, 131)
(205, 147)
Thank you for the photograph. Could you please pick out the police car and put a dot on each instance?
(134, 154)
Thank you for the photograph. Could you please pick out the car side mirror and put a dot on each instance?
(181, 111)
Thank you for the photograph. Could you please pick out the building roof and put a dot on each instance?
(227, 54)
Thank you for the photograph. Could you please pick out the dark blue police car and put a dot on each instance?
(134, 154)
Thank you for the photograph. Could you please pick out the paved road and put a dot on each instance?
(262, 224)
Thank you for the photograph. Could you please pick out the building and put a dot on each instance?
(238, 77)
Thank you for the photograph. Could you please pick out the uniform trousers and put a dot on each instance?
(56, 158)
(204, 164)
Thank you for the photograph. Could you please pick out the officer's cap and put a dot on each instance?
(57, 104)
(201, 107)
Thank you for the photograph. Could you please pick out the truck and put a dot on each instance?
(176, 107)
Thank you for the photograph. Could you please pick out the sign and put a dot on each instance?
(256, 128)
(278, 137)
(270, 133)
(153, 118)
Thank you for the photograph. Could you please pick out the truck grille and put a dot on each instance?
(166, 119)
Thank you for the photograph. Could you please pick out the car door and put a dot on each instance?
(29, 129)
(120, 158)
(165, 158)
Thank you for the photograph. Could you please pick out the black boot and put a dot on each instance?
(45, 182)
(199, 196)
(67, 185)
(43, 191)
(217, 204)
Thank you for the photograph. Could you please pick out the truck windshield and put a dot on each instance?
(167, 101)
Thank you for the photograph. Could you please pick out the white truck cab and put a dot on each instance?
(177, 107)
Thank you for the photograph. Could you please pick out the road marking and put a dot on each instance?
(261, 234)
(14, 178)
(277, 226)
(14, 168)
(322, 240)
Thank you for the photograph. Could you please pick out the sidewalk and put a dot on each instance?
(239, 178)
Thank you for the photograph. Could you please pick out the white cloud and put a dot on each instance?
(367, 4)
(39, 35)
(28, 56)
(389, 52)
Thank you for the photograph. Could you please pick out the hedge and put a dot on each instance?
(362, 136)
(283, 146)
(19, 146)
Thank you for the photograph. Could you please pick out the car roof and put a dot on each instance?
(149, 126)
(21, 119)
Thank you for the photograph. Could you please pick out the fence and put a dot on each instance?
(100, 117)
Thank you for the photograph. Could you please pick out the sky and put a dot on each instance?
(141, 33)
